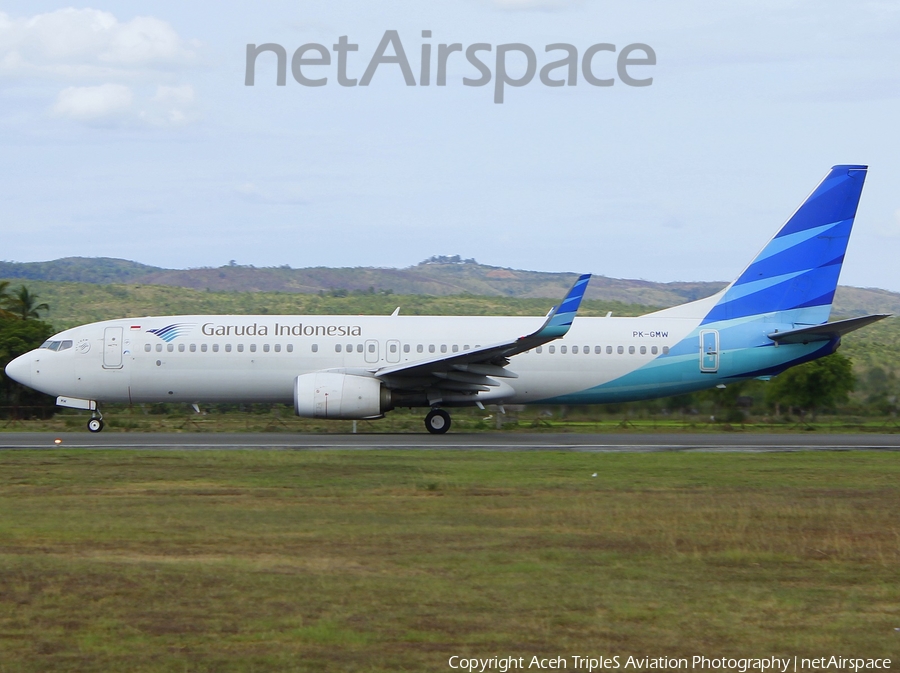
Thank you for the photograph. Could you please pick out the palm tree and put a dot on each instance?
(24, 304)
(5, 299)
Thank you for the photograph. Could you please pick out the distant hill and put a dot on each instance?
(438, 276)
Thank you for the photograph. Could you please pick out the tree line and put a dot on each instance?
(21, 330)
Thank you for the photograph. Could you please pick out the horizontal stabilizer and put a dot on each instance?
(826, 332)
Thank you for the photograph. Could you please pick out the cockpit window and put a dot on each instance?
(57, 345)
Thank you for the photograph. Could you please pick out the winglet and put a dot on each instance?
(560, 318)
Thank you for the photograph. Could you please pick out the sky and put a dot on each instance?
(127, 130)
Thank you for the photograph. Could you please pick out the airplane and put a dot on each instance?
(772, 317)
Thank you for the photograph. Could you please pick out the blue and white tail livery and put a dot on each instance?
(773, 316)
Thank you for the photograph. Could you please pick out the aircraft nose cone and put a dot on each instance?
(20, 370)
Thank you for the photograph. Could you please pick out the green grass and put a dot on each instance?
(281, 419)
(377, 561)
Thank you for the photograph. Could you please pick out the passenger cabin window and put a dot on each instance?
(574, 350)
(181, 348)
(159, 348)
(170, 347)
(202, 348)
(277, 348)
(371, 348)
(620, 349)
(654, 350)
(431, 348)
(337, 348)
(252, 348)
(598, 349)
(552, 349)
(147, 348)
(215, 348)
(443, 348)
(455, 348)
(609, 350)
(406, 348)
(631, 350)
(240, 348)
(643, 350)
(420, 348)
(665, 350)
(227, 348)
(265, 348)
(562, 349)
(349, 348)
(539, 349)
(193, 348)
(393, 348)
(315, 348)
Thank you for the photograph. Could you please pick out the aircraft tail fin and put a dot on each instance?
(798, 269)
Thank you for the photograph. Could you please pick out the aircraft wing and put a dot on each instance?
(471, 371)
(826, 332)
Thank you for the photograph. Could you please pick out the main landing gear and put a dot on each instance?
(437, 422)
(96, 423)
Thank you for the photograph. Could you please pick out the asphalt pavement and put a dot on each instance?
(488, 441)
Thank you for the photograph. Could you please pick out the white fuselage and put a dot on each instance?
(256, 358)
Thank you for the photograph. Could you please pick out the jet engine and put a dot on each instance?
(335, 395)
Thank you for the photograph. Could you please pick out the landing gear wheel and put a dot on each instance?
(95, 425)
(437, 421)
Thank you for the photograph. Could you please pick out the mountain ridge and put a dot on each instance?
(438, 276)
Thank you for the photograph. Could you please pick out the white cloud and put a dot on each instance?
(89, 42)
(171, 106)
(122, 71)
(94, 103)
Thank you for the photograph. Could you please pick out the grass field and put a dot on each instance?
(281, 418)
(387, 561)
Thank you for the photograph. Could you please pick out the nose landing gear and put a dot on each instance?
(437, 422)
(96, 423)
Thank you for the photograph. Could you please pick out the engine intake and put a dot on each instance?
(333, 395)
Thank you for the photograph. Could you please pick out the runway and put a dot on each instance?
(596, 443)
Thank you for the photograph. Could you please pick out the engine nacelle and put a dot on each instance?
(333, 395)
